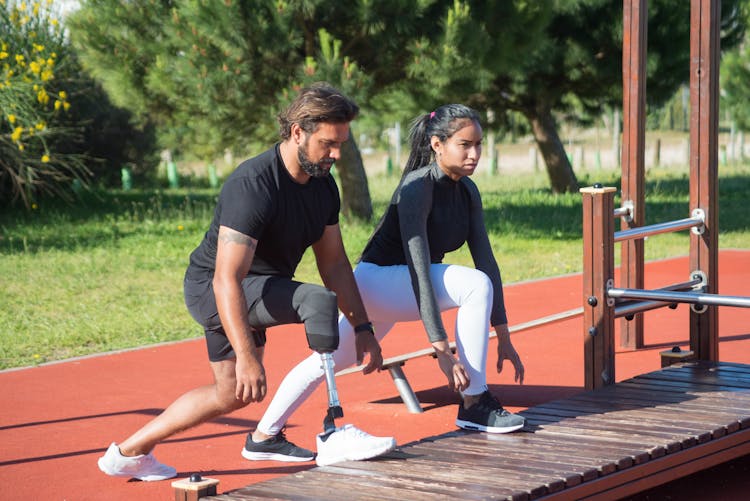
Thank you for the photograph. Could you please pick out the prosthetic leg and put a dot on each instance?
(334, 406)
(325, 346)
(346, 443)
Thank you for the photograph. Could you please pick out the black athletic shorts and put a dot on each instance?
(271, 300)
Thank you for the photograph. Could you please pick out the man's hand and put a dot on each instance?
(505, 350)
(251, 379)
(365, 342)
(455, 372)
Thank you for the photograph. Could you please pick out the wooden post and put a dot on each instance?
(705, 20)
(598, 275)
(635, 17)
(194, 488)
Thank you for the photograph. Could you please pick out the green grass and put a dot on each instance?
(106, 273)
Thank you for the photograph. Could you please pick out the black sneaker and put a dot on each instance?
(488, 415)
(276, 448)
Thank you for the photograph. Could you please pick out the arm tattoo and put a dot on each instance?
(235, 237)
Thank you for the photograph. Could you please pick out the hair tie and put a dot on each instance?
(432, 115)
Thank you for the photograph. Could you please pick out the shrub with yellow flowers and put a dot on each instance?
(35, 139)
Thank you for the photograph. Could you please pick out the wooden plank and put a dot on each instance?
(653, 473)
(602, 444)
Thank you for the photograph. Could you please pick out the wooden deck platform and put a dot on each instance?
(606, 444)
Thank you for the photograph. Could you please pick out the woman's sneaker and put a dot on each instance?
(488, 415)
(143, 467)
(276, 448)
(349, 443)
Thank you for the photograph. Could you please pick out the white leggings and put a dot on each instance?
(389, 298)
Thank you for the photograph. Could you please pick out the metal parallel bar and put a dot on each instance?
(627, 310)
(681, 297)
(656, 229)
(631, 308)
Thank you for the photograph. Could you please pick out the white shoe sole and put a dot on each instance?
(357, 455)
(272, 456)
(468, 425)
(145, 478)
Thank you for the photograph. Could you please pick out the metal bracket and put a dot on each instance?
(610, 285)
(698, 213)
(701, 287)
(630, 206)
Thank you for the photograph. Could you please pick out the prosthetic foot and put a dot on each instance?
(346, 443)
(334, 406)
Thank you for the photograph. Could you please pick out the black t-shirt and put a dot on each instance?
(261, 200)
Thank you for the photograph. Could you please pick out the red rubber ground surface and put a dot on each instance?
(58, 419)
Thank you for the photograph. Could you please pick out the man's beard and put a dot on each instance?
(311, 168)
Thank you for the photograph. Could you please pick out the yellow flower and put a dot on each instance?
(180, 227)
(3, 54)
(40, 126)
(63, 95)
(12, 119)
(45, 158)
(54, 22)
(58, 104)
(46, 75)
(42, 96)
(34, 67)
(16, 134)
(20, 147)
(66, 106)
(38, 47)
(19, 60)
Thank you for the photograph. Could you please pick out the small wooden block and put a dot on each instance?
(185, 490)
(669, 357)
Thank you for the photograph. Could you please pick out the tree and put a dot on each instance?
(211, 75)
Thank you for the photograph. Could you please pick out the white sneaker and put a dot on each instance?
(143, 467)
(349, 443)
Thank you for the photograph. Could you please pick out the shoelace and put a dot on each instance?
(281, 435)
(490, 403)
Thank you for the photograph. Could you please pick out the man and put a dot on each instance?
(239, 282)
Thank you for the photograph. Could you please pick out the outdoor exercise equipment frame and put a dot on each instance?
(599, 295)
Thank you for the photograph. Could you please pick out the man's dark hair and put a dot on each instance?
(318, 103)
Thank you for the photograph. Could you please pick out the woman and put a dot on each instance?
(435, 209)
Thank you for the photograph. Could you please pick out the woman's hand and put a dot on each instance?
(458, 379)
(506, 351)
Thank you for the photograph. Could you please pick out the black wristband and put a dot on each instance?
(365, 327)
